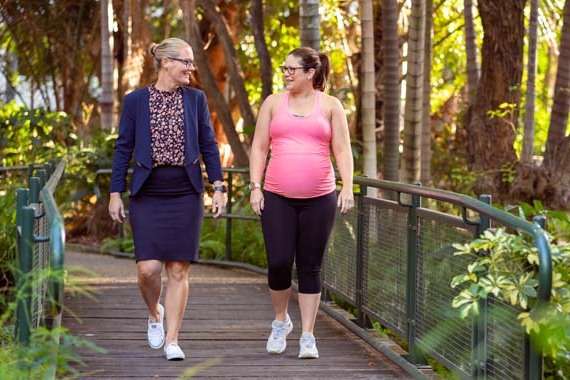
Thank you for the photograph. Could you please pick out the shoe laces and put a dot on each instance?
(307, 341)
(279, 330)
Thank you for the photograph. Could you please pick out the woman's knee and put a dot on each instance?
(177, 270)
(149, 269)
(309, 279)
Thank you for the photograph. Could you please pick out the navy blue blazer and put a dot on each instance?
(134, 136)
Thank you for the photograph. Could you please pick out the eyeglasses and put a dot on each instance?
(187, 62)
(289, 69)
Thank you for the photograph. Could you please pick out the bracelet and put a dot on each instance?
(254, 185)
(220, 188)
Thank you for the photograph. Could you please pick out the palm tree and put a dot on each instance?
(106, 99)
(392, 92)
(368, 89)
(414, 92)
(528, 140)
(425, 175)
(471, 48)
(309, 23)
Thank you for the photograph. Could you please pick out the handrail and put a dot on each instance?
(39, 222)
(533, 229)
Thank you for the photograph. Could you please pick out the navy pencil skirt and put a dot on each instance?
(166, 217)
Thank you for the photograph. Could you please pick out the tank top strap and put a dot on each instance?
(284, 101)
(317, 109)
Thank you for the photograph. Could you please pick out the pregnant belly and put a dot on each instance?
(300, 176)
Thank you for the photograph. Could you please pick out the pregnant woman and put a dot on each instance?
(298, 202)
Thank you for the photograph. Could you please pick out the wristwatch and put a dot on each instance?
(221, 188)
(254, 185)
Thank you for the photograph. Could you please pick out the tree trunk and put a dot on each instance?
(471, 49)
(236, 76)
(414, 93)
(425, 175)
(215, 96)
(561, 101)
(557, 154)
(528, 140)
(392, 92)
(368, 89)
(257, 27)
(493, 117)
(310, 23)
(106, 99)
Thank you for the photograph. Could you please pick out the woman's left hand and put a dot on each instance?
(218, 203)
(345, 200)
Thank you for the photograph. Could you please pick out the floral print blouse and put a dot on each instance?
(166, 127)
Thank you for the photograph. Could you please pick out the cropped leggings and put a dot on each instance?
(296, 230)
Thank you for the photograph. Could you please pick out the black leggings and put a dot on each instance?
(296, 229)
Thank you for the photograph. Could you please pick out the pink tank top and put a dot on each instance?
(300, 164)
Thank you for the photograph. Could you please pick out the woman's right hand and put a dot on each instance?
(256, 201)
(116, 208)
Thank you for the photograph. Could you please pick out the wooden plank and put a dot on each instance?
(224, 321)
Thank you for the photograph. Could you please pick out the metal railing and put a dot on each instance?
(41, 246)
(391, 258)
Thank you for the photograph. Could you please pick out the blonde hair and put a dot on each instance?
(169, 47)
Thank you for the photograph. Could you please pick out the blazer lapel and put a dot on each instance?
(190, 128)
(144, 133)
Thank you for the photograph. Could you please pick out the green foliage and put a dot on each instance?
(558, 222)
(49, 349)
(28, 136)
(505, 266)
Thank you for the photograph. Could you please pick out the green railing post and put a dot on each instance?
(534, 358)
(479, 337)
(25, 249)
(35, 188)
(361, 320)
(229, 219)
(415, 356)
(42, 173)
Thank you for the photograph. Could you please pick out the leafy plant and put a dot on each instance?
(505, 266)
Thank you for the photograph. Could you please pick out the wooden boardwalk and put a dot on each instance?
(226, 325)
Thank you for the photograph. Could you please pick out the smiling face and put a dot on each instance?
(294, 76)
(180, 67)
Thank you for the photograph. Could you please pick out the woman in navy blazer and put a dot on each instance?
(166, 127)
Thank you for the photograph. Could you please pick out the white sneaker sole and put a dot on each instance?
(308, 355)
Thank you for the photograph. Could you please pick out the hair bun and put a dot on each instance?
(152, 48)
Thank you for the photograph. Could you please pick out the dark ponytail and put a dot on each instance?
(322, 74)
(312, 59)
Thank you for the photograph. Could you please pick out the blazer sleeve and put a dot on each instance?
(207, 141)
(124, 146)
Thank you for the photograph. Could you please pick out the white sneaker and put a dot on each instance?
(155, 330)
(277, 341)
(308, 347)
(172, 351)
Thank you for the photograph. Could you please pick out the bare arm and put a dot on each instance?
(343, 154)
(258, 153)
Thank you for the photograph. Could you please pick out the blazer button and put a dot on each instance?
(195, 161)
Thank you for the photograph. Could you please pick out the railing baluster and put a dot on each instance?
(229, 220)
(415, 356)
(24, 305)
(533, 357)
(479, 338)
(360, 257)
